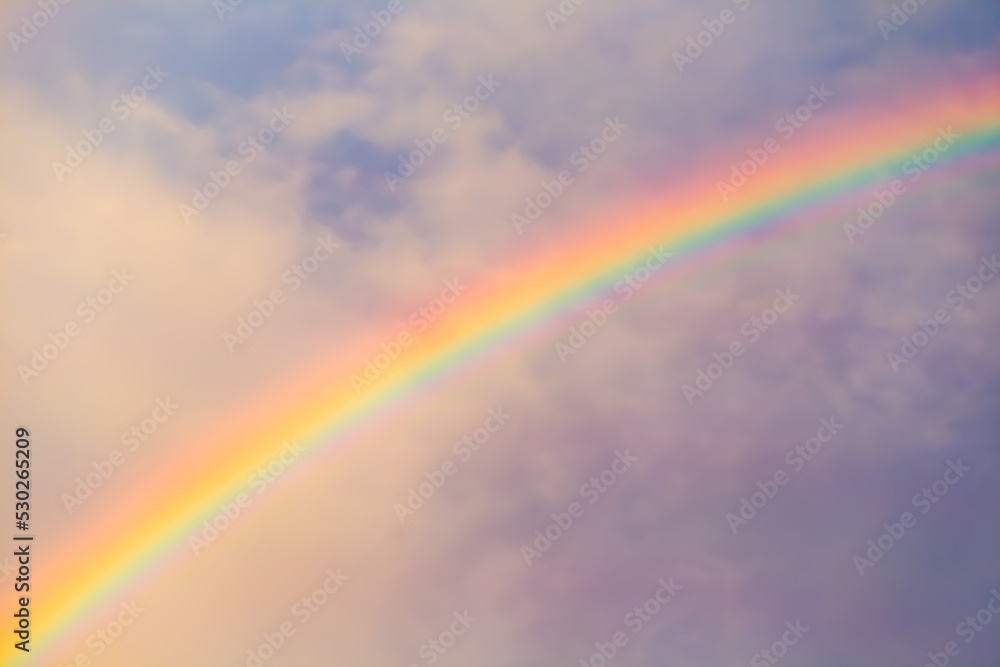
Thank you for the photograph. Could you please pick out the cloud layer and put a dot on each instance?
(320, 181)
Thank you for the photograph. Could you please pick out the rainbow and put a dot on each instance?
(825, 172)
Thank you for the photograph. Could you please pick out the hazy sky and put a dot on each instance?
(244, 149)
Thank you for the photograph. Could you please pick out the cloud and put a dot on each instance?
(324, 177)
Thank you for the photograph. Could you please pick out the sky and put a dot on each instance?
(212, 212)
